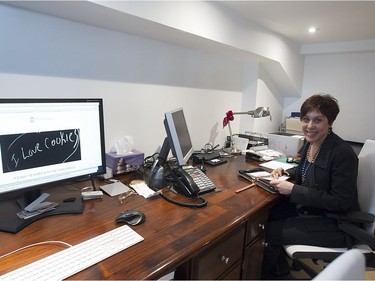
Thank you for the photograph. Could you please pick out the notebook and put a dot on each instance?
(261, 178)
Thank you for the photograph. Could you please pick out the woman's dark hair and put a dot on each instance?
(324, 103)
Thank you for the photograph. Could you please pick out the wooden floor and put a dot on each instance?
(370, 275)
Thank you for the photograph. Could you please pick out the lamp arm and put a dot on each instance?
(250, 112)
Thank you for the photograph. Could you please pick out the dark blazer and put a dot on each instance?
(331, 183)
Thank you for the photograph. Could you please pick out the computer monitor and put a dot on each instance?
(178, 135)
(44, 141)
(178, 141)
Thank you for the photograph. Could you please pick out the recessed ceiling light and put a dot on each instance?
(313, 29)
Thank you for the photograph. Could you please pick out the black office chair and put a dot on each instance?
(364, 238)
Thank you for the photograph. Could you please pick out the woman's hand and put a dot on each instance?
(277, 173)
(283, 187)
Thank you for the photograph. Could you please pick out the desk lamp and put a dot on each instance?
(257, 113)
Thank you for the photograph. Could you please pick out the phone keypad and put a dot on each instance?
(203, 182)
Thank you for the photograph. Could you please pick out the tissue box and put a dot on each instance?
(122, 164)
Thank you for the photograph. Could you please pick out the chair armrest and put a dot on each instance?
(353, 216)
(358, 233)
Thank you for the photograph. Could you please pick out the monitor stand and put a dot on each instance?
(10, 222)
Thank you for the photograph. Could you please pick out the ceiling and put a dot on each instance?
(338, 21)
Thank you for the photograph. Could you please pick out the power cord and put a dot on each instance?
(208, 147)
(149, 160)
(183, 204)
(36, 244)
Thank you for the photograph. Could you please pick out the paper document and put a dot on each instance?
(142, 189)
(264, 152)
(277, 164)
(266, 176)
(270, 153)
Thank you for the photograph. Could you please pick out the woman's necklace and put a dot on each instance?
(306, 164)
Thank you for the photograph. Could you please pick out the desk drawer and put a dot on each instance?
(222, 257)
(256, 225)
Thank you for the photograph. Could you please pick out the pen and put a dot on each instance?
(244, 188)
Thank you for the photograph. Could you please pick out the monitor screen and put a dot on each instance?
(45, 141)
(178, 135)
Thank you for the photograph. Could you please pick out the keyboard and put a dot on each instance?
(78, 257)
(203, 182)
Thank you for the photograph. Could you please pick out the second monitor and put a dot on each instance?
(179, 142)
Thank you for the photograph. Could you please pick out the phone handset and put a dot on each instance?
(184, 183)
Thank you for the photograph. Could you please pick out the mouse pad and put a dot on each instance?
(114, 189)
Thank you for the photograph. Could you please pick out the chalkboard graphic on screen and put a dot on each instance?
(37, 149)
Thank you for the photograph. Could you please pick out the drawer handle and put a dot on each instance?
(224, 259)
(261, 225)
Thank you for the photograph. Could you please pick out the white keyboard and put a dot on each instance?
(75, 259)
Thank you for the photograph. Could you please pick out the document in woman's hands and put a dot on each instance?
(266, 176)
(261, 178)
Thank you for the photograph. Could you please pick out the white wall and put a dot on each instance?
(214, 21)
(139, 79)
(43, 45)
(134, 109)
(349, 78)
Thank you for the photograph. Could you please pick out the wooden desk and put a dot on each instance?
(223, 239)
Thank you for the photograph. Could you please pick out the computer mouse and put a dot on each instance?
(132, 217)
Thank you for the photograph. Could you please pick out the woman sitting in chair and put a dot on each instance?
(325, 180)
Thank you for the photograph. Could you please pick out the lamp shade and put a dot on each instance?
(262, 112)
